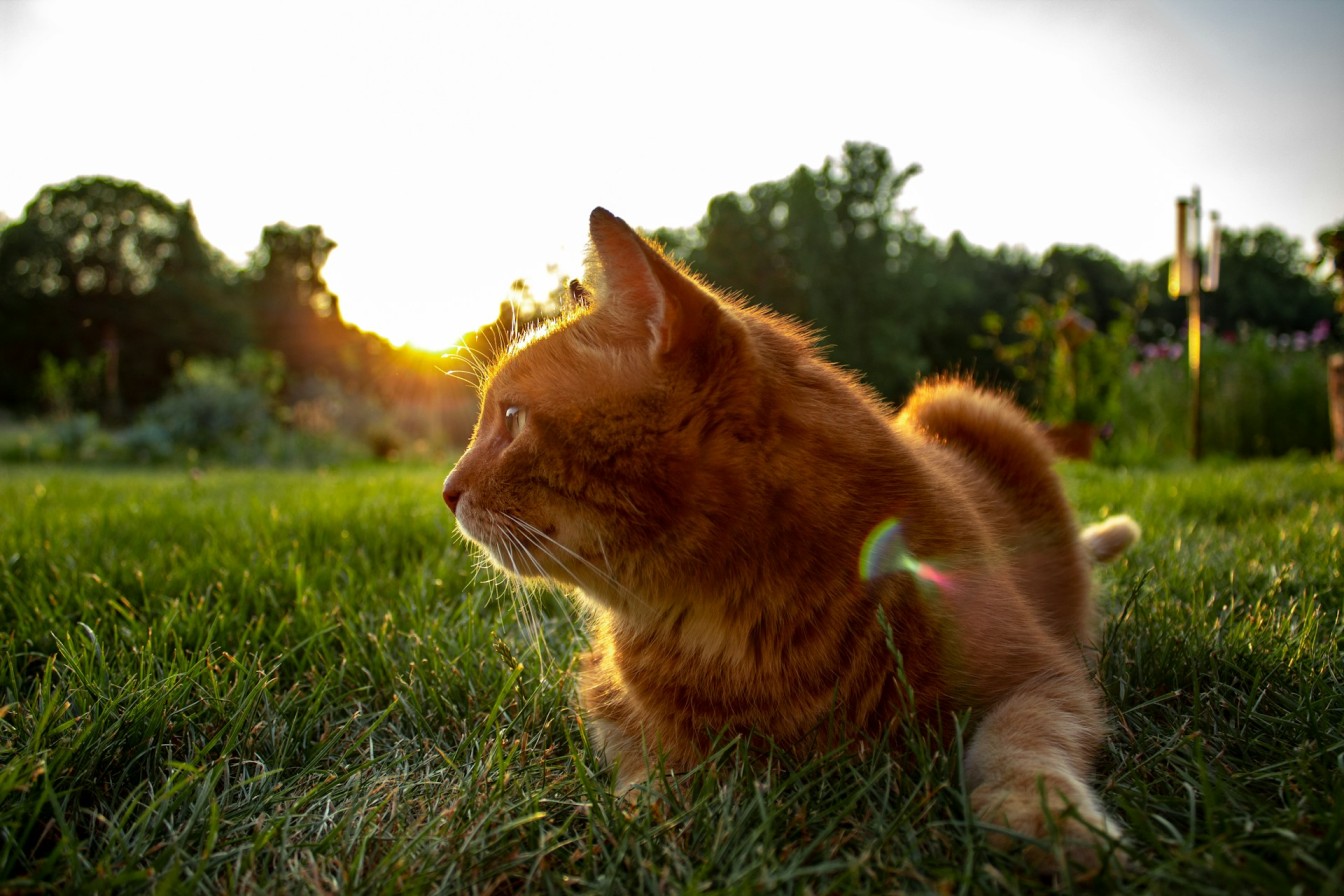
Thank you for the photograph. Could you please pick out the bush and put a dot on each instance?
(147, 442)
(60, 438)
(210, 409)
(66, 387)
(223, 410)
(230, 411)
(1067, 367)
(1263, 396)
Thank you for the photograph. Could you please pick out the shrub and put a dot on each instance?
(1263, 396)
(60, 438)
(214, 407)
(1068, 369)
(148, 442)
(71, 385)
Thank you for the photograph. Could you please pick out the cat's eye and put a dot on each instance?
(515, 418)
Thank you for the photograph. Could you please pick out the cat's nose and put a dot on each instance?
(451, 494)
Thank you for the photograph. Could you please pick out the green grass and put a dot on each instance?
(299, 682)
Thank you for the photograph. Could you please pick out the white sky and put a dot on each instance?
(451, 147)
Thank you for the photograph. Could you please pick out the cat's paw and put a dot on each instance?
(659, 796)
(1054, 820)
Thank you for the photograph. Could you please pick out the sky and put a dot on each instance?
(450, 148)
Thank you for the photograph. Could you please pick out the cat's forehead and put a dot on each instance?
(532, 361)
(567, 364)
(515, 369)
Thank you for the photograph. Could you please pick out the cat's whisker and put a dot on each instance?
(499, 590)
(545, 542)
(464, 353)
(470, 378)
(495, 346)
(545, 545)
(509, 542)
(530, 589)
(494, 579)
(490, 578)
(528, 614)
(606, 561)
(478, 362)
(509, 545)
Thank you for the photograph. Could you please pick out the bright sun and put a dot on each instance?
(432, 321)
(434, 315)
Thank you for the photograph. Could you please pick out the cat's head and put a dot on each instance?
(612, 441)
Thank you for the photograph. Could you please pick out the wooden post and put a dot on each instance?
(1196, 391)
(1186, 272)
(1335, 389)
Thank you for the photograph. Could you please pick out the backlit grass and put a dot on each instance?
(300, 682)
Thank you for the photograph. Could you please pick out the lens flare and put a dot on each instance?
(884, 551)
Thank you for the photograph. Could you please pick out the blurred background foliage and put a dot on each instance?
(128, 337)
(118, 312)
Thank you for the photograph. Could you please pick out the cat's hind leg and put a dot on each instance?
(1027, 767)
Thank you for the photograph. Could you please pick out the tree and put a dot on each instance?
(966, 284)
(1263, 283)
(829, 246)
(1098, 284)
(296, 313)
(107, 269)
(299, 317)
(1329, 259)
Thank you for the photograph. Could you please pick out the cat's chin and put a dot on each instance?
(517, 566)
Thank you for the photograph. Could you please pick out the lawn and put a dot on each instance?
(283, 682)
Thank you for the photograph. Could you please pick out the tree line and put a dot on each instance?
(112, 282)
(832, 245)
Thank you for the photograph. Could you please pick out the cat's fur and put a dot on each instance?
(696, 471)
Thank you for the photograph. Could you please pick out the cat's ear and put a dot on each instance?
(645, 290)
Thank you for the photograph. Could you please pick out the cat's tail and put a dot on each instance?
(1108, 539)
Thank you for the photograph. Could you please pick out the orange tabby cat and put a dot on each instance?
(766, 551)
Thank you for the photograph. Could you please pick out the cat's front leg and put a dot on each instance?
(612, 719)
(1027, 766)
